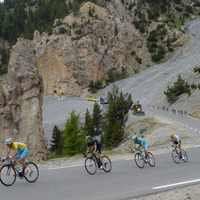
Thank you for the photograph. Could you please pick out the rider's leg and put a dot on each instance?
(147, 154)
(100, 157)
(180, 149)
(23, 156)
(145, 150)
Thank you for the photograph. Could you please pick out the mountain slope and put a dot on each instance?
(149, 86)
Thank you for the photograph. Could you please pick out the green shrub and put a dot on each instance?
(62, 30)
(180, 87)
(193, 86)
(197, 69)
(139, 60)
(199, 85)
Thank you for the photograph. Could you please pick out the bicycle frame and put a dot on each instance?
(93, 155)
(176, 148)
(144, 157)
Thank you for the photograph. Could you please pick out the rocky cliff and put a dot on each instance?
(21, 101)
(88, 45)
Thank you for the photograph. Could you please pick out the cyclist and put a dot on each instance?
(96, 149)
(142, 144)
(21, 151)
(177, 141)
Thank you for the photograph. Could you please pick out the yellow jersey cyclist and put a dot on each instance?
(97, 147)
(20, 153)
(142, 144)
(177, 141)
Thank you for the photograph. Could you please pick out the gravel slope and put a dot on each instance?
(149, 85)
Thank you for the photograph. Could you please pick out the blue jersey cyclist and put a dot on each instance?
(142, 144)
(97, 146)
(20, 153)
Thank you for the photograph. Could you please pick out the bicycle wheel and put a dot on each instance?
(107, 166)
(185, 156)
(34, 174)
(7, 175)
(139, 160)
(90, 165)
(153, 161)
(175, 157)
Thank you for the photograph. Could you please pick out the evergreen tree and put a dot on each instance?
(97, 119)
(88, 127)
(56, 142)
(116, 113)
(74, 136)
(6, 26)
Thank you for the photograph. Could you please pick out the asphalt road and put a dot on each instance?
(125, 181)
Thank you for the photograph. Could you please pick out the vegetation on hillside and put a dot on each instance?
(108, 124)
(179, 87)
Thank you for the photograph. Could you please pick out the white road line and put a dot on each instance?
(175, 184)
(129, 159)
(186, 126)
(197, 146)
(65, 167)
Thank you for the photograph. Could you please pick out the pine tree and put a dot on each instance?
(116, 112)
(73, 136)
(88, 126)
(56, 142)
(6, 26)
(97, 119)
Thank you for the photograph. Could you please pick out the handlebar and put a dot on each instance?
(7, 158)
(90, 152)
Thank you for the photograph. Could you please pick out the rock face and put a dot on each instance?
(21, 101)
(89, 45)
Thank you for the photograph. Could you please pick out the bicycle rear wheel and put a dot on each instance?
(185, 156)
(34, 174)
(153, 161)
(175, 157)
(107, 166)
(7, 175)
(90, 165)
(139, 160)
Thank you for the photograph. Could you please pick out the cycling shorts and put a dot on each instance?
(99, 148)
(23, 153)
(145, 145)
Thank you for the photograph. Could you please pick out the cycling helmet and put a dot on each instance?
(171, 134)
(134, 137)
(9, 141)
(88, 137)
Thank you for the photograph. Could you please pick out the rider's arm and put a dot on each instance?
(8, 154)
(95, 148)
(88, 149)
(142, 146)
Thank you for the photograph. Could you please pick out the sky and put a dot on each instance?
(1, 0)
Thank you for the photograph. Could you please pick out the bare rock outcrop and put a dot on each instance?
(21, 101)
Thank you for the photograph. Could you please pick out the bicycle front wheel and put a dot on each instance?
(107, 166)
(7, 175)
(139, 160)
(34, 173)
(175, 157)
(185, 156)
(90, 165)
(153, 161)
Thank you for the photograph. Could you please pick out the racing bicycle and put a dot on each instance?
(9, 173)
(141, 158)
(92, 162)
(176, 155)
